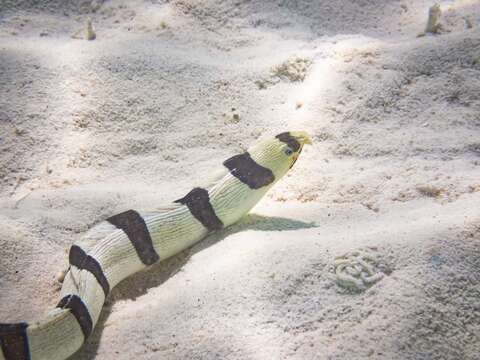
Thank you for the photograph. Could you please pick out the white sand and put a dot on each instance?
(138, 116)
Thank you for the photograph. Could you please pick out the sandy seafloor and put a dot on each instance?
(169, 89)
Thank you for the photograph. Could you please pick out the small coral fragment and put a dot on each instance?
(433, 22)
(89, 33)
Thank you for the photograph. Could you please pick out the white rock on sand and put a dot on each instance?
(168, 90)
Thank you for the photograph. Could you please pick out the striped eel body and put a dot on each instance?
(130, 241)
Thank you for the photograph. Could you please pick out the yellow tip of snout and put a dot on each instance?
(302, 137)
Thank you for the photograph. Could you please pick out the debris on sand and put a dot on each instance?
(294, 69)
(163, 25)
(60, 276)
(90, 34)
(359, 269)
(429, 190)
(433, 22)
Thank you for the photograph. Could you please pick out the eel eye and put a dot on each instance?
(288, 151)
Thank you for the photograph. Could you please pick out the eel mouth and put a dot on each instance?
(295, 140)
(302, 137)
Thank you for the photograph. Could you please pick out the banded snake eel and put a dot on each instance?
(130, 241)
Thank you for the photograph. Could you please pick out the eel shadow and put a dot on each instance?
(154, 276)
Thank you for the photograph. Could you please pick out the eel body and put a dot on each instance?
(133, 240)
